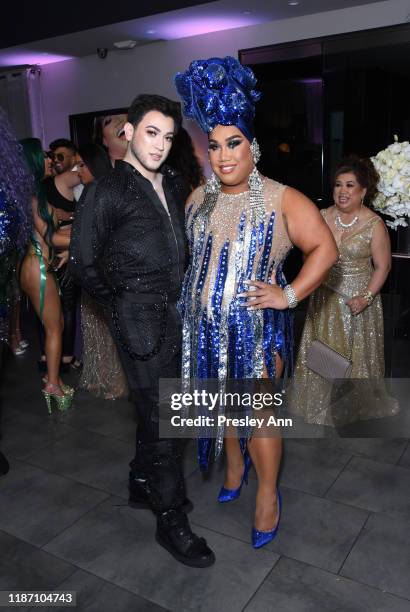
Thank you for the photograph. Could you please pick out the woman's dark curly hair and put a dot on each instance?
(183, 159)
(364, 171)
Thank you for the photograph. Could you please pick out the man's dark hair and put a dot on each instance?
(145, 103)
(62, 142)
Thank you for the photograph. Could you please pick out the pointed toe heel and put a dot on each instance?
(261, 538)
(227, 495)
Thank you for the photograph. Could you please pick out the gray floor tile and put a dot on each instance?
(36, 505)
(374, 486)
(22, 397)
(82, 527)
(296, 587)
(21, 388)
(24, 566)
(381, 555)
(114, 418)
(405, 458)
(25, 432)
(313, 530)
(117, 544)
(325, 464)
(89, 458)
(97, 595)
(380, 449)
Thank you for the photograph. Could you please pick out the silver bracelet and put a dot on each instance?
(290, 296)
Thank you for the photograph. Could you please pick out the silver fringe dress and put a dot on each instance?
(221, 338)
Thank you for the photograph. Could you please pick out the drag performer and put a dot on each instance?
(130, 250)
(235, 301)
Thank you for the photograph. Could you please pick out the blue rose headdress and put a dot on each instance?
(219, 91)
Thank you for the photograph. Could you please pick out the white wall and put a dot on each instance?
(87, 84)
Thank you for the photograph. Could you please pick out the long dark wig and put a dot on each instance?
(33, 151)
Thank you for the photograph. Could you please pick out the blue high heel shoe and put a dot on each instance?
(261, 538)
(227, 495)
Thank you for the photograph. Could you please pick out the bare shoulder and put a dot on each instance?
(378, 226)
(374, 222)
(370, 215)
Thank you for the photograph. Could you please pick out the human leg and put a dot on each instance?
(17, 344)
(156, 470)
(51, 318)
(69, 298)
(266, 455)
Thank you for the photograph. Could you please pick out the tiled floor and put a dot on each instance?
(343, 544)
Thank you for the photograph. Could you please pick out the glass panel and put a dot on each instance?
(289, 123)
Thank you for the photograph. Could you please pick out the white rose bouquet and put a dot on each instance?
(393, 189)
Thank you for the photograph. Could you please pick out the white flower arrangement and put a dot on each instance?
(393, 189)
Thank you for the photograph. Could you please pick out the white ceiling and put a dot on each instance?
(210, 17)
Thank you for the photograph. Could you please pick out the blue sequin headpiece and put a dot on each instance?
(219, 92)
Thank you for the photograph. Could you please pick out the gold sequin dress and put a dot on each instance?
(329, 319)
(102, 374)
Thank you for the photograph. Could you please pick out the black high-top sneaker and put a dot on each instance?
(175, 535)
(156, 479)
(139, 497)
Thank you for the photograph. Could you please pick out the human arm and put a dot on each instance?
(91, 234)
(63, 257)
(39, 224)
(380, 251)
(61, 237)
(66, 180)
(309, 232)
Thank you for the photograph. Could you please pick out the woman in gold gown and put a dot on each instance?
(345, 312)
(102, 374)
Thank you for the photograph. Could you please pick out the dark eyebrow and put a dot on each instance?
(226, 139)
(158, 130)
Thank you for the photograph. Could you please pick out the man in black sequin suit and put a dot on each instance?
(128, 242)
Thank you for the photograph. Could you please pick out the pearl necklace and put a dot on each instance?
(344, 227)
